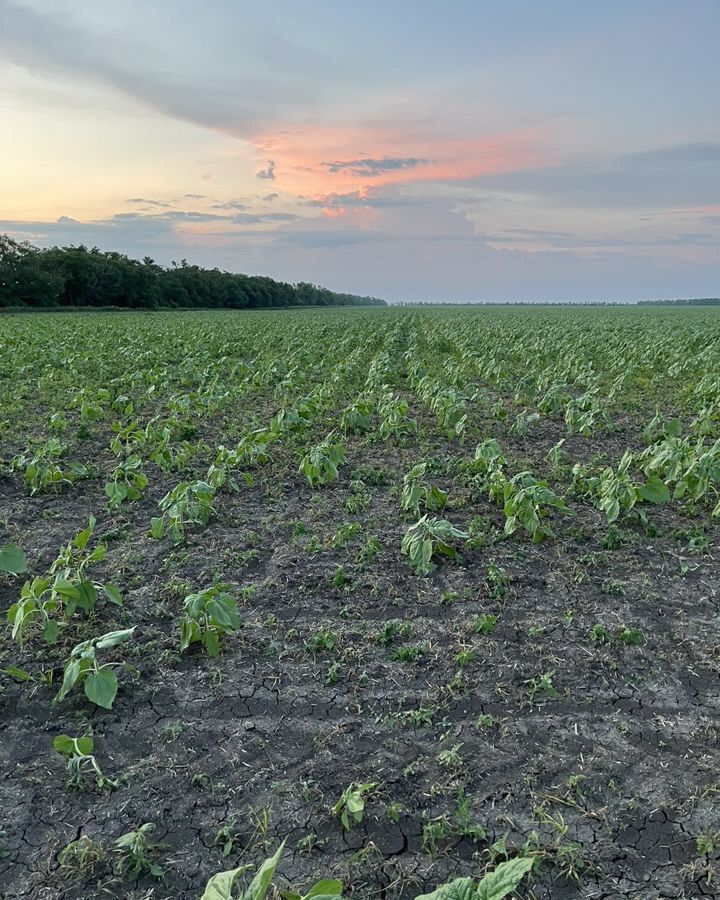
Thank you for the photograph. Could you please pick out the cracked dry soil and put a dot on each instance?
(612, 779)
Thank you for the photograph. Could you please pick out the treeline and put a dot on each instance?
(704, 301)
(533, 303)
(31, 277)
(707, 301)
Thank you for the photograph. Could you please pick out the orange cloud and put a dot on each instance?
(318, 161)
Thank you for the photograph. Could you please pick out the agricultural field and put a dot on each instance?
(425, 594)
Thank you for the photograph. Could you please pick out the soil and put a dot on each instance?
(610, 775)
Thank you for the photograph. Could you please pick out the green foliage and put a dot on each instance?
(223, 885)
(13, 560)
(135, 852)
(489, 456)
(357, 417)
(208, 615)
(418, 494)
(64, 590)
(527, 502)
(79, 755)
(189, 503)
(320, 466)
(128, 482)
(616, 490)
(77, 276)
(98, 679)
(41, 467)
(351, 805)
(395, 420)
(494, 886)
(426, 538)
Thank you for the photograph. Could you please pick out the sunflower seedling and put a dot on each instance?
(426, 538)
(99, 680)
(351, 805)
(80, 759)
(208, 615)
(135, 853)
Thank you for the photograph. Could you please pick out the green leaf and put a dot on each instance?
(220, 886)
(189, 633)
(500, 882)
(101, 687)
(116, 493)
(70, 676)
(655, 490)
(12, 560)
(113, 638)
(85, 744)
(68, 746)
(459, 889)
(612, 511)
(64, 744)
(223, 610)
(17, 674)
(328, 887)
(257, 888)
(212, 644)
(87, 595)
(82, 537)
(51, 631)
(157, 527)
(112, 592)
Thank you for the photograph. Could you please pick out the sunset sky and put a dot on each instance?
(413, 150)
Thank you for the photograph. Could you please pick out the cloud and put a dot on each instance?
(171, 216)
(231, 204)
(328, 238)
(142, 201)
(269, 172)
(164, 77)
(564, 240)
(366, 197)
(371, 168)
(257, 218)
(414, 154)
(677, 175)
(195, 196)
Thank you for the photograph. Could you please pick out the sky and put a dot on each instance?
(471, 150)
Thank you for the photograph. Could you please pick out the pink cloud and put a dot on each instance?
(323, 160)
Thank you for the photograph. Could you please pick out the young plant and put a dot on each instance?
(320, 466)
(223, 885)
(616, 490)
(351, 805)
(79, 755)
(99, 680)
(135, 853)
(543, 685)
(356, 418)
(66, 589)
(41, 470)
(489, 456)
(426, 538)
(190, 503)
(394, 416)
(494, 886)
(127, 482)
(208, 615)
(527, 502)
(417, 492)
